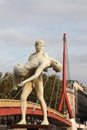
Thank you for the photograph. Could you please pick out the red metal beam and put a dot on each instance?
(38, 112)
(64, 93)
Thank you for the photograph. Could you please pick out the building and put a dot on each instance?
(78, 100)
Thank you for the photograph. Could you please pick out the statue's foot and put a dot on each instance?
(22, 122)
(45, 122)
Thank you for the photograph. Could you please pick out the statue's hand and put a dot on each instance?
(21, 84)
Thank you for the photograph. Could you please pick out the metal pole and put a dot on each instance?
(64, 93)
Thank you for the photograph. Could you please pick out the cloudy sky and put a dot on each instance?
(22, 22)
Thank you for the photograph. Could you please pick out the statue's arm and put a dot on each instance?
(36, 75)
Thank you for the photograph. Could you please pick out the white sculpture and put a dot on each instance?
(32, 73)
(74, 125)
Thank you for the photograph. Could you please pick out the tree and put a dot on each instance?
(6, 85)
(49, 81)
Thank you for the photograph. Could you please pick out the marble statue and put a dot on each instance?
(29, 76)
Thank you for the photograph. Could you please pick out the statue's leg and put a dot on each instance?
(39, 92)
(19, 72)
(25, 93)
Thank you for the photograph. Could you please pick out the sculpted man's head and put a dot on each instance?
(39, 43)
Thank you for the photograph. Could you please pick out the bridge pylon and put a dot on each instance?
(64, 93)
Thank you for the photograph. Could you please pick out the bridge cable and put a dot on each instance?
(56, 95)
(52, 91)
(68, 67)
(11, 61)
(18, 93)
(2, 79)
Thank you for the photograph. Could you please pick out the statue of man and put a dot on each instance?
(37, 63)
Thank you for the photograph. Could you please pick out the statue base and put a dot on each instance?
(32, 126)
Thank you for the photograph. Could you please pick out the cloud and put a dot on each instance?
(38, 12)
(22, 22)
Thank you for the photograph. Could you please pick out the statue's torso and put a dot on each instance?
(36, 60)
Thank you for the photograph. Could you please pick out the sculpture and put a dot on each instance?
(32, 73)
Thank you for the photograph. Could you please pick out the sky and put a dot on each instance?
(22, 22)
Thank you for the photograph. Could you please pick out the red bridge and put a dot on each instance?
(12, 107)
